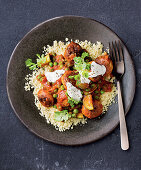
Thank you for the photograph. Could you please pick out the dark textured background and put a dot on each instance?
(19, 148)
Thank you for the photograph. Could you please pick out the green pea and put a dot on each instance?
(55, 95)
(87, 90)
(41, 79)
(66, 69)
(96, 97)
(51, 64)
(75, 111)
(102, 91)
(61, 66)
(73, 115)
(39, 76)
(99, 81)
(55, 63)
(55, 90)
(93, 85)
(60, 63)
(96, 91)
(55, 106)
(62, 87)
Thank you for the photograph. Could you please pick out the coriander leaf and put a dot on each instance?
(38, 55)
(41, 60)
(85, 54)
(77, 77)
(85, 74)
(28, 63)
(42, 55)
(88, 66)
(33, 67)
(79, 63)
(62, 115)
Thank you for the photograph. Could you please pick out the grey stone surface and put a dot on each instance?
(19, 148)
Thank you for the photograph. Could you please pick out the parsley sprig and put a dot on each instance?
(81, 65)
(62, 115)
(30, 64)
(40, 60)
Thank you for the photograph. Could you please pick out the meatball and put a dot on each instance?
(62, 99)
(65, 78)
(72, 50)
(95, 79)
(45, 98)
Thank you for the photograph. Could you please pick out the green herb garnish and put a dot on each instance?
(30, 64)
(62, 115)
(77, 77)
(85, 74)
(81, 65)
(39, 77)
(85, 54)
(71, 77)
(62, 87)
(41, 60)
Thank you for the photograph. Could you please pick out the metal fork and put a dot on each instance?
(117, 55)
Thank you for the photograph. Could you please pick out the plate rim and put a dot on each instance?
(39, 135)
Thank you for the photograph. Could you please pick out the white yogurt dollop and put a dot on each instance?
(97, 69)
(73, 92)
(53, 76)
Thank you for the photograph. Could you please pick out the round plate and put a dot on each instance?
(72, 27)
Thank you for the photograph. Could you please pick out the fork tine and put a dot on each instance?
(110, 51)
(114, 54)
(120, 50)
(117, 52)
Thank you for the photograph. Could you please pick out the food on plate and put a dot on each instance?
(71, 82)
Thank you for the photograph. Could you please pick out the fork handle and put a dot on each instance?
(123, 128)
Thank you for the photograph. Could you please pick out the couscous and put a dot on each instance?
(72, 81)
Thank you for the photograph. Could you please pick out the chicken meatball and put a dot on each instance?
(72, 50)
(45, 98)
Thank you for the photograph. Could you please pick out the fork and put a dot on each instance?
(116, 54)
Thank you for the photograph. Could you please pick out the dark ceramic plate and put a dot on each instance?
(22, 102)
